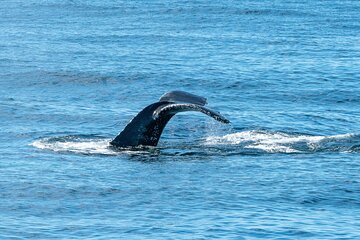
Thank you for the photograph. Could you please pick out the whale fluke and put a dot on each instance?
(172, 109)
(184, 97)
(147, 126)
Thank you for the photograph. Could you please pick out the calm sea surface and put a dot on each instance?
(285, 73)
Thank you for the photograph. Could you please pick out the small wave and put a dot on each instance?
(279, 142)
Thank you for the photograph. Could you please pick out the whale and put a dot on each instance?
(146, 127)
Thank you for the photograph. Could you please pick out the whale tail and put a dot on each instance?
(183, 97)
(147, 126)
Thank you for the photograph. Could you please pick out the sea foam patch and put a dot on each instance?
(75, 145)
(276, 141)
(84, 144)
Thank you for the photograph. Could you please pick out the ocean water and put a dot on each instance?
(285, 73)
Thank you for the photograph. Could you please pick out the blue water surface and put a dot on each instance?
(285, 73)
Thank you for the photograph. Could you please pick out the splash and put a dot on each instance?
(278, 142)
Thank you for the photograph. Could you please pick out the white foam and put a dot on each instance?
(85, 146)
(271, 141)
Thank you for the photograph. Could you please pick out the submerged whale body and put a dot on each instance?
(147, 126)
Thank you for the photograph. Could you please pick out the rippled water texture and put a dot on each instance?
(285, 73)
